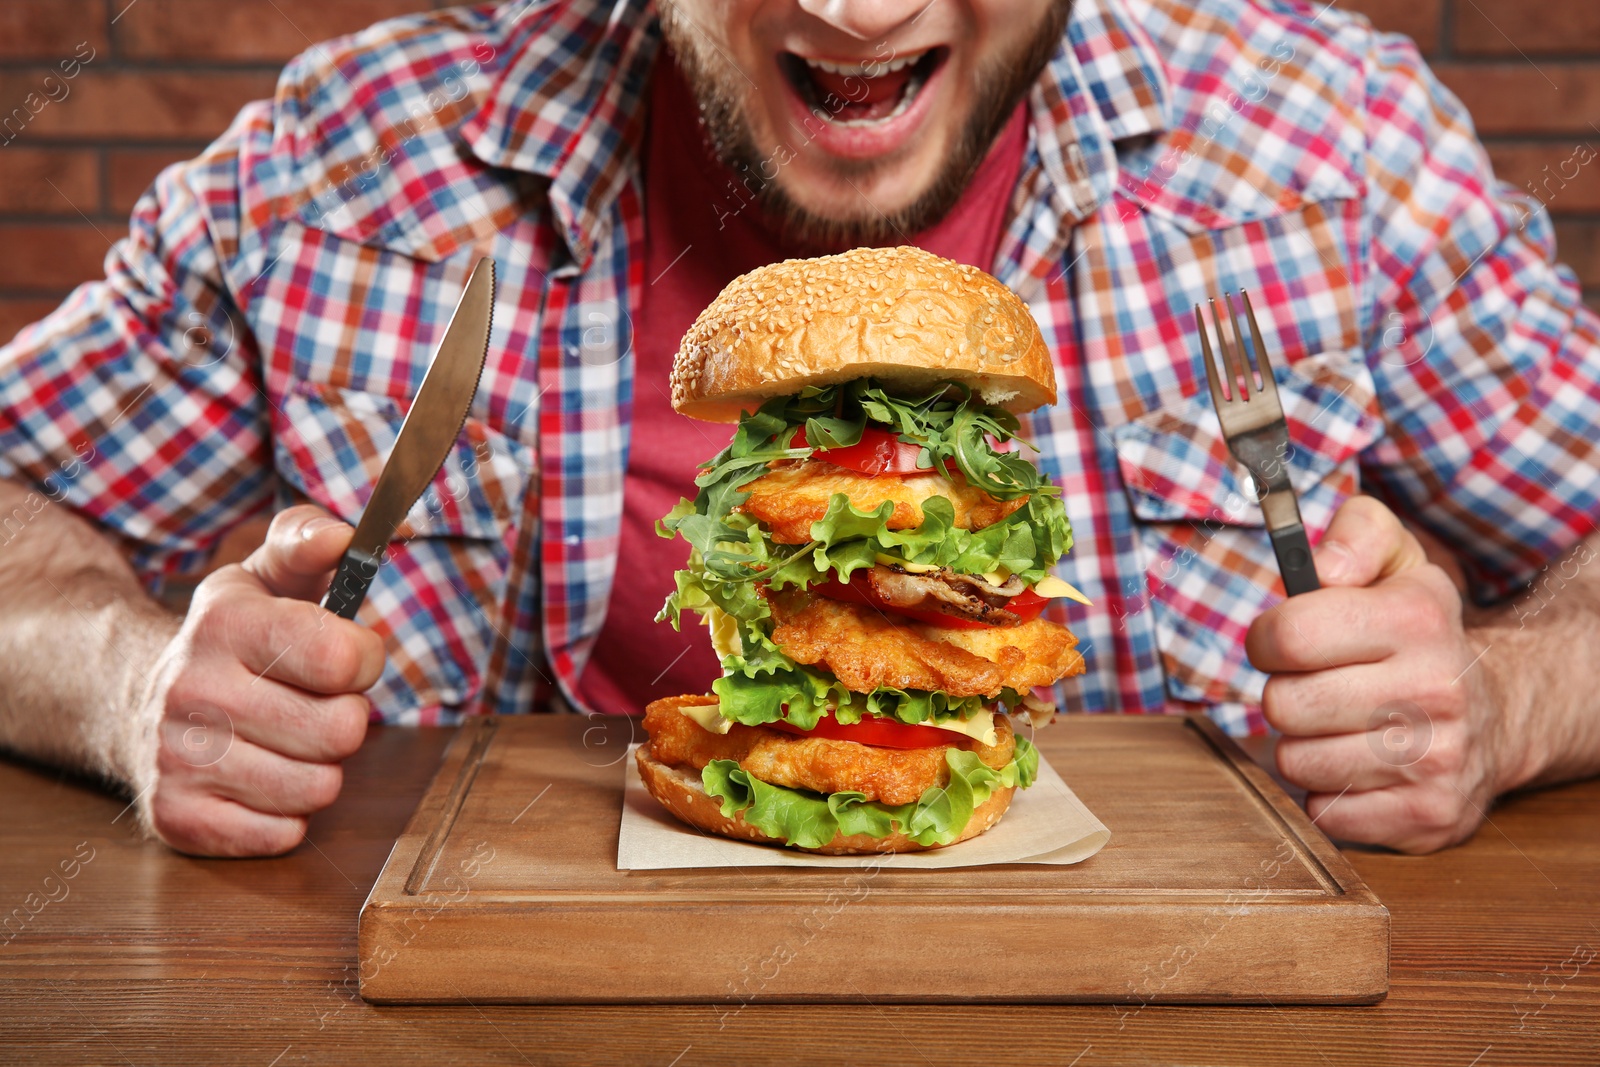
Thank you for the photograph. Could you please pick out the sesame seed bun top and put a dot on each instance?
(901, 315)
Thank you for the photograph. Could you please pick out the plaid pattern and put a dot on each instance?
(263, 326)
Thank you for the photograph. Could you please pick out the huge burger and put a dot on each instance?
(872, 554)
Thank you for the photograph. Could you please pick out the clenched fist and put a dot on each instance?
(258, 698)
(1387, 715)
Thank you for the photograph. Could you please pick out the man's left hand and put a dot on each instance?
(1388, 718)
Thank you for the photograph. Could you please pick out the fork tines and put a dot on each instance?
(1244, 400)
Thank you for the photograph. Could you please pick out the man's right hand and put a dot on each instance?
(259, 697)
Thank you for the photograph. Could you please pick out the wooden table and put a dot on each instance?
(146, 957)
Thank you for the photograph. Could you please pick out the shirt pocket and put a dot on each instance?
(330, 445)
(1208, 564)
(436, 598)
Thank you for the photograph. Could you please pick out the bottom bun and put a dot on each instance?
(680, 791)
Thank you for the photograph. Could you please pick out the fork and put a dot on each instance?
(1252, 422)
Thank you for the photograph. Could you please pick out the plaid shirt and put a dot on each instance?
(263, 326)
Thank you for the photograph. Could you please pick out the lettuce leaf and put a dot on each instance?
(1027, 543)
(763, 685)
(810, 820)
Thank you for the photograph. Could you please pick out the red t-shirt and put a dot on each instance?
(701, 232)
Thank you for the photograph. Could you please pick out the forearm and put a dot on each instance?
(1541, 665)
(78, 639)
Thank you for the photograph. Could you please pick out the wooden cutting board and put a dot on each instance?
(1214, 887)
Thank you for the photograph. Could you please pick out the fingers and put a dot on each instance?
(296, 724)
(1334, 627)
(271, 783)
(204, 825)
(1335, 764)
(300, 553)
(1421, 818)
(1365, 543)
(1364, 696)
(289, 641)
(260, 611)
(309, 648)
(1324, 703)
(221, 792)
(1319, 631)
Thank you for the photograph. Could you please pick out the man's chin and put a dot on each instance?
(824, 228)
(830, 205)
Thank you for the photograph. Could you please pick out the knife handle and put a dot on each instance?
(1294, 559)
(350, 583)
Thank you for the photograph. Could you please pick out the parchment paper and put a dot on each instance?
(1046, 823)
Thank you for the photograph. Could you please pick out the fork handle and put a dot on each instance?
(1294, 559)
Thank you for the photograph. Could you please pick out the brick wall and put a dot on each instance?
(165, 78)
(151, 81)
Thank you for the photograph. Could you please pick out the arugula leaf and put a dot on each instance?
(953, 424)
(811, 820)
(697, 588)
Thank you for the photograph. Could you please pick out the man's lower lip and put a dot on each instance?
(865, 140)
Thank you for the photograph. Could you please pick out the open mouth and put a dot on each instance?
(861, 93)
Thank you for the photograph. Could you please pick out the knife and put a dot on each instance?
(429, 432)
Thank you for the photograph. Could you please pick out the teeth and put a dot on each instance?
(873, 68)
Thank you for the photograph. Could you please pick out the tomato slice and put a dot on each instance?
(872, 730)
(1027, 604)
(878, 452)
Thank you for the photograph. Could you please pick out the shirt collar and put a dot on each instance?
(569, 105)
(1122, 70)
(1106, 84)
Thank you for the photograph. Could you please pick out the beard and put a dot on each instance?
(721, 91)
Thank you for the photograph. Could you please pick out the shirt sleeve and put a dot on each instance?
(137, 403)
(1486, 362)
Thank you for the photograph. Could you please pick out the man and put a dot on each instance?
(264, 325)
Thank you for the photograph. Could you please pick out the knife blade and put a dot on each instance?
(426, 437)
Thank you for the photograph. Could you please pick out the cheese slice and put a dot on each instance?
(980, 727)
(709, 716)
(1051, 586)
(724, 634)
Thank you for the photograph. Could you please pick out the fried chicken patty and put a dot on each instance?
(818, 764)
(866, 648)
(793, 494)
